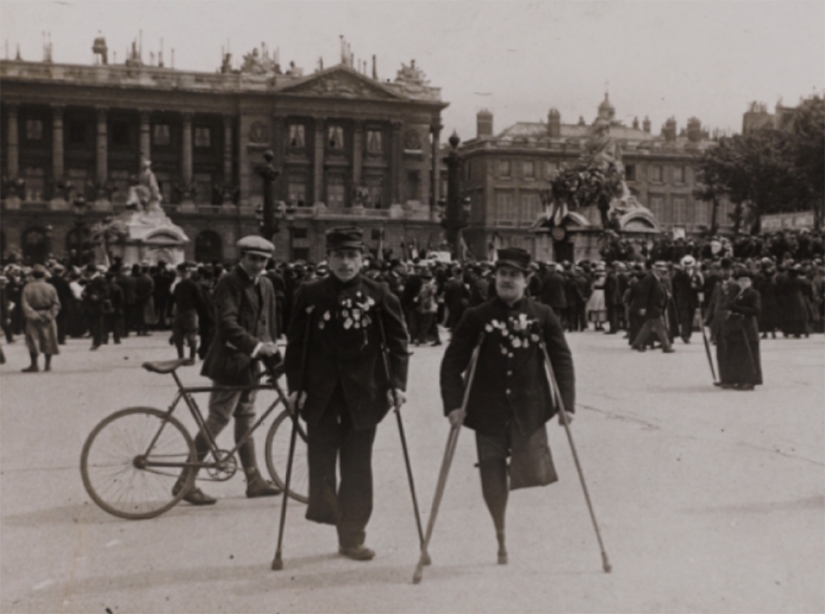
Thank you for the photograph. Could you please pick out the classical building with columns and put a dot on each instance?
(349, 148)
(505, 175)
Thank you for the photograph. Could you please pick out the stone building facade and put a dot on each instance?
(504, 176)
(350, 148)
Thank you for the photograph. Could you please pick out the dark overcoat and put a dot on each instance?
(553, 292)
(652, 296)
(510, 383)
(767, 287)
(739, 358)
(344, 347)
(246, 316)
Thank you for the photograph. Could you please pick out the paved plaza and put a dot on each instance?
(708, 500)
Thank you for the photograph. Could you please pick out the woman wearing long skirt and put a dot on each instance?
(740, 337)
(596, 306)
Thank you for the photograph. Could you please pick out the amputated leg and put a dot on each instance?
(494, 488)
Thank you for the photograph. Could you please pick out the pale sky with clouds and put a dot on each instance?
(518, 59)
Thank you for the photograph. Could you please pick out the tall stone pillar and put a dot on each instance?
(227, 149)
(186, 159)
(278, 142)
(358, 154)
(13, 153)
(186, 150)
(435, 190)
(145, 135)
(102, 147)
(396, 161)
(57, 143)
(318, 162)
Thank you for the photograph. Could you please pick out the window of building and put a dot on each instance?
(122, 180)
(161, 135)
(165, 185)
(702, 212)
(35, 178)
(468, 170)
(208, 246)
(375, 234)
(335, 137)
(374, 191)
(528, 169)
(505, 208)
(78, 178)
(530, 207)
(630, 172)
(120, 134)
(414, 185)
(203, 137)
(34, 130)
(297, 190)
(77, 132)
(678, 174)
(300, 253)
(504, 168)
(299, 232)
(203, 188)
(297, 136)
(657, 205)
(336, 191)
(654, 173)
(680, 211)
(551, 169)
(375, 143)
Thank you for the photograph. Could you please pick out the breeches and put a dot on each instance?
(223, 404)
(349, 505)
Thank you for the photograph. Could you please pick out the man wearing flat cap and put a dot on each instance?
(510, 399)
(246, 323)
(340, 383)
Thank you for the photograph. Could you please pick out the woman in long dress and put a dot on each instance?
(596, 306)
(743, 368)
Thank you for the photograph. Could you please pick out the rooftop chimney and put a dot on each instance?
(694, 130)
(484, 124)
(669, 130)
(646, 124)
(553, 123)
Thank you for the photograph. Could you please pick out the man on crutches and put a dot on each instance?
(346, 390)
(509, 399)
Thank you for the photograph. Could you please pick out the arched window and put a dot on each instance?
(208, 246)
(35, 245)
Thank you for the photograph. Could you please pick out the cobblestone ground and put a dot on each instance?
(708, 500)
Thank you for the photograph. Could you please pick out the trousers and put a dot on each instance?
(348, 506)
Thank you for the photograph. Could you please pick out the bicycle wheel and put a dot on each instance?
(116, 462)
(277, 454)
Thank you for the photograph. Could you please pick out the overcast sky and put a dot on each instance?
(517, 59)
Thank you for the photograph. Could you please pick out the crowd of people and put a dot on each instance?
(659, 298)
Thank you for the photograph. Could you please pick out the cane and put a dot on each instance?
(388, 373)
(554, 389)
(449, 451)
(277, 562)
(707, 343)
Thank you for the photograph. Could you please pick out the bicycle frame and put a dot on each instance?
(185, 393)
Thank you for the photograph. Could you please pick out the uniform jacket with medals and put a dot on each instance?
(246, 316)
(510, 381)
(344, 347)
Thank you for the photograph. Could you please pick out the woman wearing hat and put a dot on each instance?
(596, 307)
(740, 365)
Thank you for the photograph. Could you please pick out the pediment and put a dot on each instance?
(341, 82)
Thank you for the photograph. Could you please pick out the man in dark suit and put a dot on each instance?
(510, 400)
(337, 379)
(552, 291)
(612, 298)
(246, 320)
(653, 297)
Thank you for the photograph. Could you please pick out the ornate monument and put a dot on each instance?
(143, 232)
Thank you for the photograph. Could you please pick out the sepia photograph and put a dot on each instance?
(427, 306)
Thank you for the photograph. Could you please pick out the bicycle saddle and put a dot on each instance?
(165, 366)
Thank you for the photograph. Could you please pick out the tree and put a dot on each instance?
(808, 134)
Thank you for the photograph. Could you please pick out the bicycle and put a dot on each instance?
(132, 458)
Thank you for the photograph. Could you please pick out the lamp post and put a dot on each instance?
(269, 174)
(454, 217)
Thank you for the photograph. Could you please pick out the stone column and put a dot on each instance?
(435, 190)
(102, 199)
(358, 154)
(57, 200)
(396, 161)
(278, 143)
(102, 147)
(13, 153)
(318, 162)
(186, 155)
(145, 135)
(227, 149)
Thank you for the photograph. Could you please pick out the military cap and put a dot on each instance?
(344, 237)
(514, 257)
(254, 244)
(38, 270)
(741, 271)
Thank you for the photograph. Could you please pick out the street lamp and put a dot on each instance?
(269, 174)
(455, 217)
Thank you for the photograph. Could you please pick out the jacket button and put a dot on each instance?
(507, 391)
(509, 373)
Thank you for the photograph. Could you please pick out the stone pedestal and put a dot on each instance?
(150, 236)
(12, 203)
